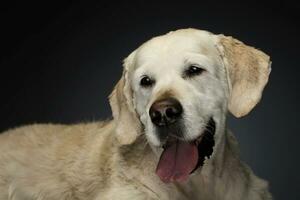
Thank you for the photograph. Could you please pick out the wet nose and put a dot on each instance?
(166, 111)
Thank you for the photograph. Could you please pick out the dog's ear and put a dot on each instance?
(248, 71)
(127, 123)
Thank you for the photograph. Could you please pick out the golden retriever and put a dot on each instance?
(167, 139)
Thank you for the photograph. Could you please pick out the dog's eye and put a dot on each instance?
(146, 81)
(193, 70)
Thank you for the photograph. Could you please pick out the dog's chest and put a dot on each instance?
(198, 188)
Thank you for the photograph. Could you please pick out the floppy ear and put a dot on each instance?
(248, 71)
(127, 123)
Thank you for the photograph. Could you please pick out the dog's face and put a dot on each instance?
(176, 90)
(179, 84)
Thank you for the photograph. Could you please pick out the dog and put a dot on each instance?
(167, 139)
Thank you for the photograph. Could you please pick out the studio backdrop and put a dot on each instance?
(60, 61)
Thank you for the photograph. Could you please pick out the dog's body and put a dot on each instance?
(85, 162)
(114, 159)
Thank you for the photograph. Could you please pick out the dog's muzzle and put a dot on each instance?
(180, 157)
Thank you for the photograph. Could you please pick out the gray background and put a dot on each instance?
(59, 63)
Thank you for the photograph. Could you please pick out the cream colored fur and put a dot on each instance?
(116, 159)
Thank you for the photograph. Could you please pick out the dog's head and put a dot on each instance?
(176, 89)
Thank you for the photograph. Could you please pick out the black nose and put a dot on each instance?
(166, 111)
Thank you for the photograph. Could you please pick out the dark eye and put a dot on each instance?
(146, 81)
(193, 70)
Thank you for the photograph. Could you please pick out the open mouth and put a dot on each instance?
(181, 158)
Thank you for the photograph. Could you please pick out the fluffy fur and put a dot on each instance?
(117, 159)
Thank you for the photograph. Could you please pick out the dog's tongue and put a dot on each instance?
(177, 162)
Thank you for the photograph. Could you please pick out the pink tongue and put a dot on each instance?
(177, 162)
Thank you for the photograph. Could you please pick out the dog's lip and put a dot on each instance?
(172, 139)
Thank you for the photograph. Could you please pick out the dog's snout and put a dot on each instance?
(165, 111)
